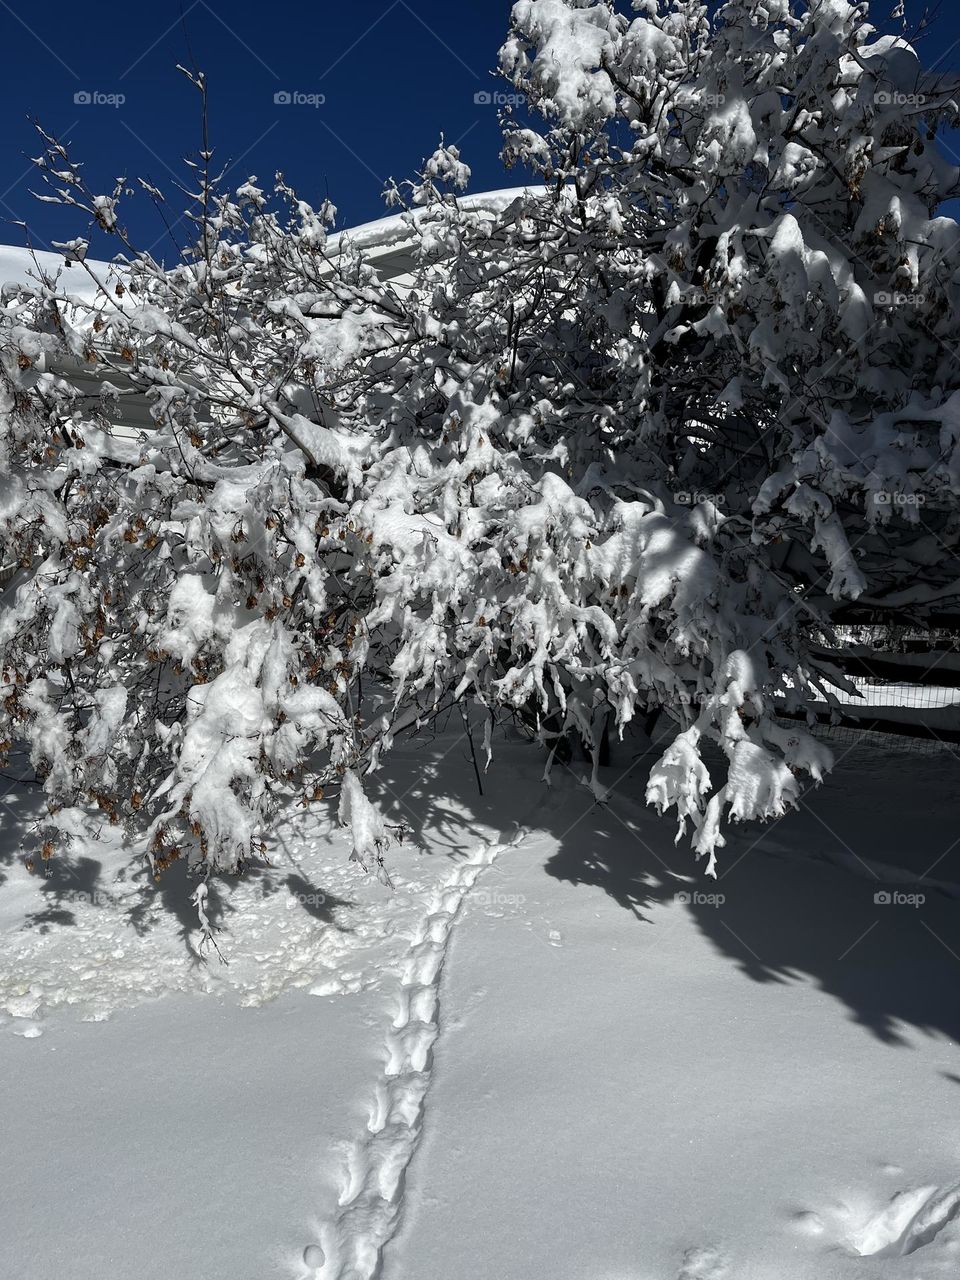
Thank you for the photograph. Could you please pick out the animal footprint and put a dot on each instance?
(705, 1263)
(912, 1219)
(942, 1207)
(807, 1223)
(314, 1257)
(883, 1230)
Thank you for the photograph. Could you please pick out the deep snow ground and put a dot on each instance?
(178, 1141)
(533, 1058)
(677, 1091)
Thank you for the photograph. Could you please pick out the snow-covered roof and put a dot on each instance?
(385, 243)
(18, 266)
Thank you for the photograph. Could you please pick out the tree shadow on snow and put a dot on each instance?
(63, 885)
(429, 787)
(170, 897)
(21, 808)
(321, 904)
(172, 894)
(827, 895)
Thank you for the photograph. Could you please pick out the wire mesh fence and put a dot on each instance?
(902, 689)
(851, 737)
(877, 696)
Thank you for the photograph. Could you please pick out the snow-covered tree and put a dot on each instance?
(629, 445)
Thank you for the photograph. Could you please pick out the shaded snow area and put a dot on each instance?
(551, 1050)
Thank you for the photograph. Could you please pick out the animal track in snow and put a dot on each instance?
(313, 1257)
(884, 1229)
(372, 1183)
(912, 1219)
(705, 1263)
(807, 1223)
(933, 1208)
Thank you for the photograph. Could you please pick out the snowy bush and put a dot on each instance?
(630, 445)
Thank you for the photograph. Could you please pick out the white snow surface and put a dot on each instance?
(17, 265)
(551, 1050)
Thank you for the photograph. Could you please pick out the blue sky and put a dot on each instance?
(393, 75)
